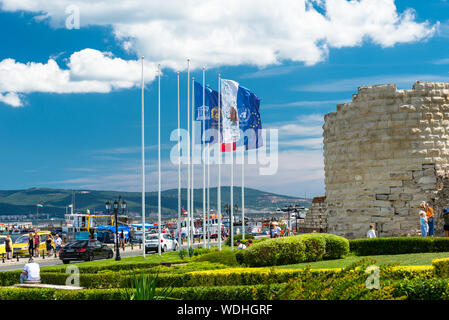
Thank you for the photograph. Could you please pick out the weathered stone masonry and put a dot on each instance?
(384, 153)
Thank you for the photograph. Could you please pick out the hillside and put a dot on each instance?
(14, 202)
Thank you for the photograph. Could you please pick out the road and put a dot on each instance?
(51, 261)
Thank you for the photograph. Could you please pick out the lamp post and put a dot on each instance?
(117, 252)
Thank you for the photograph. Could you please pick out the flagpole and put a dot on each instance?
(143, 167)
(192, 203)
(203, 148)
(243, 190)
(159, 157)
(188, 157)
(208, 194)
(219, 164)
(179, 174)
(232, 199)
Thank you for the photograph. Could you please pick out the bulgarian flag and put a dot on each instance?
(40, 206)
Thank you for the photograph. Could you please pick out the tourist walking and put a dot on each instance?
(8, 246)
(240, 245)
(371, 232)
(430, 219)
(58, 243)
(122, 240)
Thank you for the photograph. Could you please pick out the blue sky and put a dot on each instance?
(76, 125)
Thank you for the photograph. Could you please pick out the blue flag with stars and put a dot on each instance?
(248, 105)
(210, 114)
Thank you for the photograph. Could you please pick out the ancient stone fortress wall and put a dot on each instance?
(316, 217)
(384, 153)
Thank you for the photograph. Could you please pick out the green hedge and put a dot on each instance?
(258, 292)
(441, 267)
(226, 257)
(422, 289)
(111, 267)
(398, 245)
(295, 249)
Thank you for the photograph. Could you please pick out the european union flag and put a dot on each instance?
(248, 105)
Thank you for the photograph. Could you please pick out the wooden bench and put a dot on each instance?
(45, 286)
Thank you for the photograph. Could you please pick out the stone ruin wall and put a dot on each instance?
(384, 153)
(316, 219)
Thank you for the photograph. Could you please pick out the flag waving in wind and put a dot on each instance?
(230, 128)
(210, 113)
(248, 105)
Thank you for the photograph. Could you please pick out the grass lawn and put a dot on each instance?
(411, 259)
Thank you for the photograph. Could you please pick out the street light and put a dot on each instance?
(117, 252)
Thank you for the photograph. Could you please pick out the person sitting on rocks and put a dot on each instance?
(31, 272)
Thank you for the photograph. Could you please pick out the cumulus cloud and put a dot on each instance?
(234, 32)
(88, 71)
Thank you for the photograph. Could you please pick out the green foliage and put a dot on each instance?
(295, 249)
(441, 267)
(422, 289)
(144, 288)
(398, 245)
(26, 294)
(226, 257)
(347, 284)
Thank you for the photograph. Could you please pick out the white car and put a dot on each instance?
(167, 243)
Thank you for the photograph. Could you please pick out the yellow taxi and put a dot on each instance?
(20, 247)
(2, 245)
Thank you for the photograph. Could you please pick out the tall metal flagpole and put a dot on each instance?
(219, 164)
(232, 199)
(192, 201)
(159, 158)
(188, 157)
(243, 191)
(208, 195)
(179, 174)
(203, 148)
(143, 167)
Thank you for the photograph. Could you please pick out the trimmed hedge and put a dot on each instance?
(221, 277)
(111, 267)
(226, 257)
(295, 249)
(398, 245)
(256, 292)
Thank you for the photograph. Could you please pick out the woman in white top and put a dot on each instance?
(371, 232)
(423, 220)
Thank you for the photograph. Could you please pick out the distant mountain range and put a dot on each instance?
(55, 201)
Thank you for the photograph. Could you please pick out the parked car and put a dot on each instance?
(20, 246)
(87, 250)
(167, 243)
(137, 238)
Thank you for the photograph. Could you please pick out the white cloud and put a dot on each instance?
(234, 32)
(11, 98)
(88, 71)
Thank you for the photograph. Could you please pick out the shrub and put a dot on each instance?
(422, 289)
(295, 249)
(398, 245)
(226, 257)
(347, 284)
(336, 247)
(26, 294)
(287, 250)
(441, 267)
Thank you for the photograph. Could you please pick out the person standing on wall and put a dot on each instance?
(430, 219)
